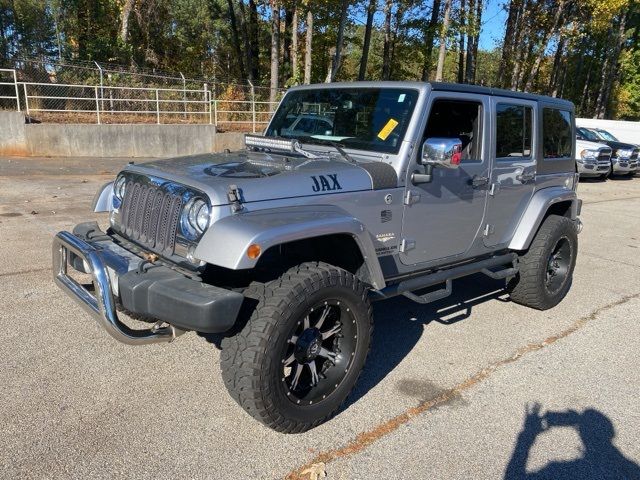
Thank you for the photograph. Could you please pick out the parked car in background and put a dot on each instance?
(624, 157)
(593, 159)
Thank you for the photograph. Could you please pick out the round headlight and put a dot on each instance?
(198, 215)
(119, 187)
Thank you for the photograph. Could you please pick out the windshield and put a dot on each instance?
(589, 135)
(606, 135)
(373, 119)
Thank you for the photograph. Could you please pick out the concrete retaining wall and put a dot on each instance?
(12, 134)
(75, 140)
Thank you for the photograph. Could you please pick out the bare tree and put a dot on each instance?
(124, 20)
(461, 42)
(429, 36)
(337, 53)
(544, 41)
(386, 54)
(235, 38)
(308, 45)
(473, 39)
(443, 40)
(275, 50)
(294, 42)
(371, 11)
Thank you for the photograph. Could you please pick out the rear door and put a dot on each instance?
(512, 181)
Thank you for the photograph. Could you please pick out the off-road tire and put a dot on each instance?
(528, 287)
(251, 358)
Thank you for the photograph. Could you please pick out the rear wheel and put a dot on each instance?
(546, 269)
(302, 348)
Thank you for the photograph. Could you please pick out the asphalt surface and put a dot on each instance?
(470, 387)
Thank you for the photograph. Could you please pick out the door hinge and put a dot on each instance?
(407, 245)
(410, 197)
(489, 229)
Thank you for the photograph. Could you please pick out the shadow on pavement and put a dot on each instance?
(399, 324)
(600, 458)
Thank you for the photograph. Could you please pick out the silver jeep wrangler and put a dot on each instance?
(357, 192)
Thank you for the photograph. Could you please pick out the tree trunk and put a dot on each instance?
(558, 65)
(248, 52)
(337, 56)
(371, 11)
(235, 39)
(508, 44)
(275, 50)
(610, 71)
(308, 44)
(124, 20)
(520, 49)
(428, 40)
(443, 41)
(254, 40)
(473, 26)
(386, 53)
(461, 42)
(286, 70)
(542, 46)
(294, 44)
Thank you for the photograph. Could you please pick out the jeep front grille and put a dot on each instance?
(150, 216)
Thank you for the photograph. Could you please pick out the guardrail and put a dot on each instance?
(14, 84)
(72, 103)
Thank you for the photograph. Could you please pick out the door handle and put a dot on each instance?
(525, 177)
(478, 181)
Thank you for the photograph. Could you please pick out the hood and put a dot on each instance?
(620, 145)
(587, 144)
(269, 176)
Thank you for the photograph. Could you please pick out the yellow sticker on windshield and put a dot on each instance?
(387, 129)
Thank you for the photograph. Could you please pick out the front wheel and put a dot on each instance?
(302, 348)
(545, 271)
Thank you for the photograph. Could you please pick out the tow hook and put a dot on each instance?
(578, 225)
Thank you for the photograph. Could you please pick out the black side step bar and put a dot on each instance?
(407, 287)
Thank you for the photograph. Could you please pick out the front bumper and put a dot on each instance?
(593, 168)
(624, 165)
(177, 302)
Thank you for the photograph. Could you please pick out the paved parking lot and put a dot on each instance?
(470, 387)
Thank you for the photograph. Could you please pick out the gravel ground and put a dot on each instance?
(470, 387)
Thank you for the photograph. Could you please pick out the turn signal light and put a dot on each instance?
(254, 251)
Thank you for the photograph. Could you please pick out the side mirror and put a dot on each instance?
(442, 152)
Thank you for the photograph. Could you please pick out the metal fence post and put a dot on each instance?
(253, 106)
(97, 104)
(184, 95)
(157, 107)
(215, 112)
(207, 100)
(15, 84)
(101, 83)
(26, 98)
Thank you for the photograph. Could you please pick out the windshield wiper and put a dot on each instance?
(331, 143)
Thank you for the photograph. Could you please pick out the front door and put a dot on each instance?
(444, 217)
(513, 174)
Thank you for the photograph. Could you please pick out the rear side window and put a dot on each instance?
(556, 133)
(513, 130)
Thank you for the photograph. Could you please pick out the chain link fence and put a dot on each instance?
(62, 93)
